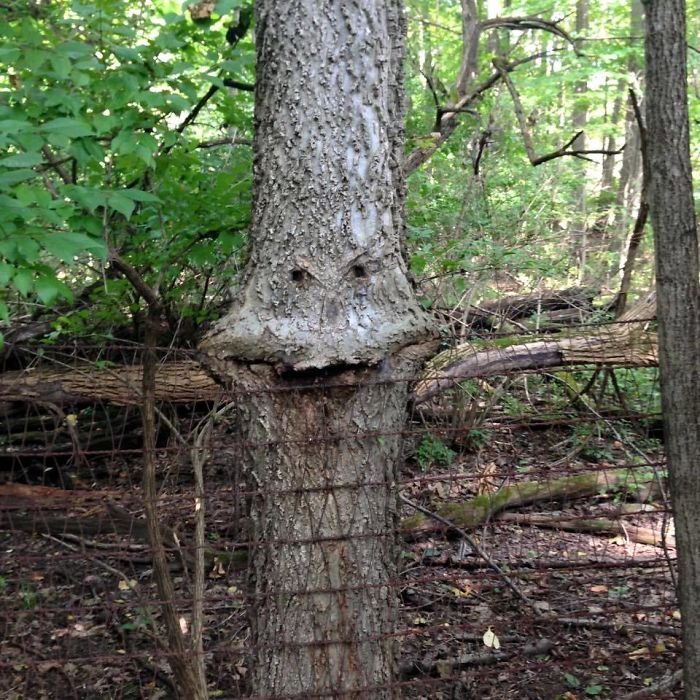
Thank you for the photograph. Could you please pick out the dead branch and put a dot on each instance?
(482, 508)
(635, 240)
(57, 165)
(447, 116)
(472, 543)
(606, 526)
(565, 150)
(619, 627)
(626, 345)
(655, 691)
(188, 381)
(521, 24)
(446, 667)
(234, 141)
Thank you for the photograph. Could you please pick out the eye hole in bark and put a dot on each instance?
(297, 275)
(359, 271)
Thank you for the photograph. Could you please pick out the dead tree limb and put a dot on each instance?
(470, 514)
(626, 345)
(597, 526)
(635, 240)
(565, 150)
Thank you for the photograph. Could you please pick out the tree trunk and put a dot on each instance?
(630, 169)
(579, 122)
(325, 319)
(673, 219)
(470, 46)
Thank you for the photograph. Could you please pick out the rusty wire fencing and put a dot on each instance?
(533, 538)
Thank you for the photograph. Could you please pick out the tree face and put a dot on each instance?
(326, 283)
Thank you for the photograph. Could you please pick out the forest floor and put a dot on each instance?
(569, 615)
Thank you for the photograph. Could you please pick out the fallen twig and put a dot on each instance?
(444, 667)
(475, 546)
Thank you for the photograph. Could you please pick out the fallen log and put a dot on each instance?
(482, 508)
(616, 346)
(176, 382)
(490, 315)
(188, 382)
(596, 526)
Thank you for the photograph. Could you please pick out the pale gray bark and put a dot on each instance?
(630, 171)
(673, 218)
(326, 284)
(324, 556)
(579, 121)
(326, 292)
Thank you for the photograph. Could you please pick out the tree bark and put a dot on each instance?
(635, 239)
(673, 220)
(579, 230)
(325, 320)
(631, 157)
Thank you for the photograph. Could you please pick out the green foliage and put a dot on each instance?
(92, 103)
(469, 229)
(29, 596)
(98, 156)
(433, 452)
(477, 438)
(641, 389)
(588, 439)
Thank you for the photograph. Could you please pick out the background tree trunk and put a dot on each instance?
(325, 301)
(673, 219)
(579, 121)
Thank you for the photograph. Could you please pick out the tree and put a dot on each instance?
(323, 332)
(673, 218)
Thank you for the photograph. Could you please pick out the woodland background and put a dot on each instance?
(125, 167)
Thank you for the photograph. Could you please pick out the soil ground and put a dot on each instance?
(595, 617)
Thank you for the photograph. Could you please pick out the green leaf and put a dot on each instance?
(48, 289)
(68, 126)
(61, 66)
(6, 271)
(67, 246)
(28, 248)
(21, 160)
(13, 126)
(120, 203)
(4, 316)
(27, 195)
(89, 197)
(10, 203)
(230, 241)
(128, 55)
(9, 54)
(23, 281)
(12, 177)
(104, 123)
(140, 195)
(29, 140)
(124, 142)
(572, 681)
(35, 58)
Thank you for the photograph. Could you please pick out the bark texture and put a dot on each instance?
(673, 218)
(325, 321)
(323, 540)
(326, 284)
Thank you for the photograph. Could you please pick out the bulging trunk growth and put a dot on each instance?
(324, 325)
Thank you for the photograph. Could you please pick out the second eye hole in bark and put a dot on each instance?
(359, 271)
